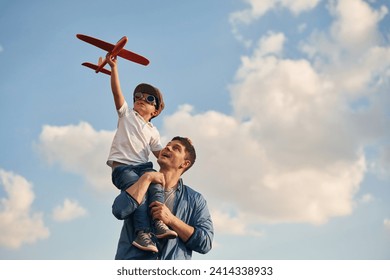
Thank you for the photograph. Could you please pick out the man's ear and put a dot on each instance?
(185, 164)
(155, 113)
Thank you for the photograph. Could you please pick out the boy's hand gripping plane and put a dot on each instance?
(113, 50)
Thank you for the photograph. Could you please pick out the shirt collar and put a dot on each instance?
(142, 119)
(180, 184)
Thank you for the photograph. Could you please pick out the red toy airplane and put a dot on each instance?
(113, 50)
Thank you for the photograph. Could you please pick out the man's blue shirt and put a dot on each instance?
(190, 207)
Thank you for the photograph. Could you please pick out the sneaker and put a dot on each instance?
(162, 231)
(143, 241)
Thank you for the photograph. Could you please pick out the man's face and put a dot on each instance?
(173, 156)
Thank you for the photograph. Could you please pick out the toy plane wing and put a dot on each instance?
(96, 42)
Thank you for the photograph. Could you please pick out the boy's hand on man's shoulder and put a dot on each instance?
(155, 177)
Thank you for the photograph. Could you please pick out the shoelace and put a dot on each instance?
(161, 226)
(146, 237)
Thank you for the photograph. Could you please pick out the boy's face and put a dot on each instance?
(144, 104)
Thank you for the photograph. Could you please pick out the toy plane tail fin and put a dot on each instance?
(100, 60)
(94, 67)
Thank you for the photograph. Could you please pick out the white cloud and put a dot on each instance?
(19, 223)
(357, 29)
(271, 44)
(259, 8)
(232, 225)
(255, 11)
(351, 54)
(236, 168)
(68, 211)
(386, 224)
(79, 149)
(299, 6)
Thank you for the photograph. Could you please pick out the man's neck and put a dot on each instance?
(171, 179)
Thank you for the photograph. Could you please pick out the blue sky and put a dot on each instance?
(287, 103)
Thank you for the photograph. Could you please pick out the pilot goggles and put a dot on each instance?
(147, 97)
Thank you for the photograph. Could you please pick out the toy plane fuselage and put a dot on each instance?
(112, 50)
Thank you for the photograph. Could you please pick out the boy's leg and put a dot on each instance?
(143, 239)
(156, 193)
(123, 177)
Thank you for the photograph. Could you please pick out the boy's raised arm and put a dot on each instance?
(115, 84)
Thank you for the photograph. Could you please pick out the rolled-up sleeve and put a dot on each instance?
(202, 238)
(124, 205)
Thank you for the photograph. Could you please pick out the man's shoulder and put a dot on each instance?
(191, 191)
(194, 199)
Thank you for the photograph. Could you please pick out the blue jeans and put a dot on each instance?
(124, 176)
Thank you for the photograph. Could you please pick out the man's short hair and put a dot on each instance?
(190, 150)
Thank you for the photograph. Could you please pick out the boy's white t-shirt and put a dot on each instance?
(134, 139)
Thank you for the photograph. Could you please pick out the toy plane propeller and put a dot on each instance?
(113, 50)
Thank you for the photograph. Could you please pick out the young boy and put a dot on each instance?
(133, 142)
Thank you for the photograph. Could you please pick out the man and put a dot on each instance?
(184, 211)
